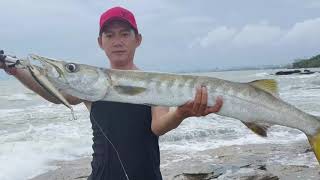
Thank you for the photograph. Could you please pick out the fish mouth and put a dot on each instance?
(52, 67)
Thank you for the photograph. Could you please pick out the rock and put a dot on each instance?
(196, 176)
(306, 71)
(287, 72)
(245, 172)
(308, 150)
(263, 167)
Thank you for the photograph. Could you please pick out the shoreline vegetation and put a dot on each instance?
(312, 62)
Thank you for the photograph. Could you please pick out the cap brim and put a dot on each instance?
(116, 19)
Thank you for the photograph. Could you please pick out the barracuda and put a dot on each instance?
(252, 103)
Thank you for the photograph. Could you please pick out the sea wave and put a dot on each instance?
(262, 74)
(17, 97)
(31, 150)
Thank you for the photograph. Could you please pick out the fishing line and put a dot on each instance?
(125, 172)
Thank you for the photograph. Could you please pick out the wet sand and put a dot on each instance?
(253, 161)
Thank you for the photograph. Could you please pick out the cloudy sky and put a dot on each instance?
(177, 35)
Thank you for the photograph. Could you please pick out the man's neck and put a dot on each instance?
(124, 67)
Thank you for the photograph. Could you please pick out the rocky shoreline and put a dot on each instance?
(246, 162)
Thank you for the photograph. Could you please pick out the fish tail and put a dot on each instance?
(315, 144)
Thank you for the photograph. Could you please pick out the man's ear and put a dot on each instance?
(138, 39)
(100, 42)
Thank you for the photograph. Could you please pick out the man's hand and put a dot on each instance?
(3, 65)
(198, 107)
(8, 70)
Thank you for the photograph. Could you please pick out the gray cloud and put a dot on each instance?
(257, 35)
(253, 35)
(313, 4)
(306, 32)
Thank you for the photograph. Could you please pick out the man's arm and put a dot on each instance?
(24, 76)
(164, 120)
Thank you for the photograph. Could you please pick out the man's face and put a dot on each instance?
(119, 42)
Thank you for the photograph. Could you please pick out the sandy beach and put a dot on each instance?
(254, 162)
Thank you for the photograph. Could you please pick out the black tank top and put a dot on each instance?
(128, 126)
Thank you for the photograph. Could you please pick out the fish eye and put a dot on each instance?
(71, 67)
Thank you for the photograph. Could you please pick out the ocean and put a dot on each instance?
(35, 133)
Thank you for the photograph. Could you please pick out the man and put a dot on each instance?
(125, 136)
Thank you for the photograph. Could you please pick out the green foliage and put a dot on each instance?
(307, 63)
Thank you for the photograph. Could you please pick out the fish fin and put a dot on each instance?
(129, 90)
(314, 141)
(268, 85)
(259, 129)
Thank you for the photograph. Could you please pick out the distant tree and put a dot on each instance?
(307, 63)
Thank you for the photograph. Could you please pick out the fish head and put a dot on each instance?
(83, 81)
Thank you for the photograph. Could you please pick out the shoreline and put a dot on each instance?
(282, 161)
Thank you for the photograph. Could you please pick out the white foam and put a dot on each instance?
(304, 76)
(249, 138)
(17, 97)
(8, 111)
(226, 132)
(32, 149)
(4, 113)
(262, 74)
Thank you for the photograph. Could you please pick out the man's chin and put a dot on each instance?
(120, 57)
(120, 61)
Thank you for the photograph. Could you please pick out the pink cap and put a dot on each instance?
(118, 13)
